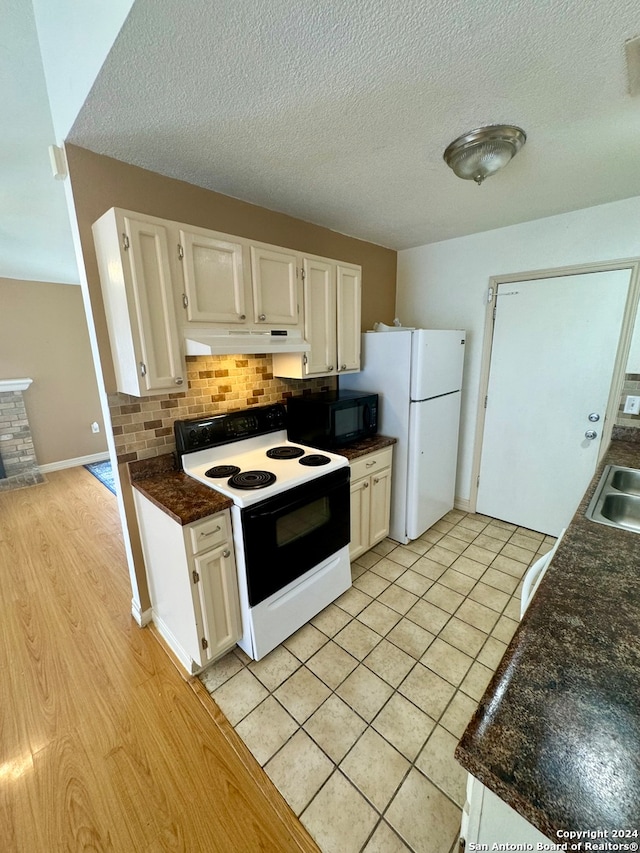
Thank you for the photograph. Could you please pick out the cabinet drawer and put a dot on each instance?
(372, 462)
(209, 532)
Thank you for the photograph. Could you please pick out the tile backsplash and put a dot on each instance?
(143, 426)
(631, 386)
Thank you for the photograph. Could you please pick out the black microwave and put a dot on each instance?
(332, 418)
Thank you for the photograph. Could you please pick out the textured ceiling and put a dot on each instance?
(338, 112)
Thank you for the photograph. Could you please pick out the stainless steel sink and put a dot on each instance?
(616, 501)
(626, 480)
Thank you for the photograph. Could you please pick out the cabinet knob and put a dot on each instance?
(226, 553)
(365, 485)
(243, 316)
(343, 367)
(376, 480)
(330, 367)
(262, 317)
(178, 380)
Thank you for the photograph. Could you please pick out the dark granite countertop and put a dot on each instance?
(366, 445)
(557, 733)
(173, 491)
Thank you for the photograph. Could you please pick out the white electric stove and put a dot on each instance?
(290, 517)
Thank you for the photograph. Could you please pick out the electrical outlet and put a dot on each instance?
(95, 427)
(632, 406)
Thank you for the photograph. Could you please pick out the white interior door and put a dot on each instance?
(554, 347)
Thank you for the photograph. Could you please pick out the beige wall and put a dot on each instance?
(100, 183)
(43, 335)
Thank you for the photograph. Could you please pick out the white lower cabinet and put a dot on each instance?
(192, 582)
(370, 500)
(488, 820)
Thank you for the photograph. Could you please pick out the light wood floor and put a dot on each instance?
(103, 745)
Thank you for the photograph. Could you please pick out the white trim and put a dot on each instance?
(142, 617)
(462, 504)
(72, 463)
(7, 385)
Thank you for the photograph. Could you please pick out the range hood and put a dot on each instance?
(236, 342)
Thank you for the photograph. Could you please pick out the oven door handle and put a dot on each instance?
(283, 505)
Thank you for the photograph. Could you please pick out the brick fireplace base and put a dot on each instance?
(16, 444)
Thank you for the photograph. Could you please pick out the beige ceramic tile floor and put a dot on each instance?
(356, 716)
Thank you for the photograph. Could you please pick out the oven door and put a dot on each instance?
(289, 534)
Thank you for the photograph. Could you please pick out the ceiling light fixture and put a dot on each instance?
(481, 152)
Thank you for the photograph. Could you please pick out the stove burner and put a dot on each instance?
(285, 452)
(222, 471)
(314, 459)
(252, 480)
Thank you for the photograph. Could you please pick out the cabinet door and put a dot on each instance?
(275, 286)
(360, 510)
(214, 283)
(380, 505)
(160, 361)
(348, 284)
(217, 589)
(320, 316)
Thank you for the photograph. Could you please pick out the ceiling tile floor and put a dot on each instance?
(356, 716)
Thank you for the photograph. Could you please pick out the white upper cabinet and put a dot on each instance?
(213, 270)
(137, 287)
(320, 316)
(274, 276)
(349, 300)
(165, 280)
(332, 300)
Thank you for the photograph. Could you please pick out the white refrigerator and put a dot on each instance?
(418, 375)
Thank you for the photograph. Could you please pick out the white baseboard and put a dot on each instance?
(142, 617)
(73, 463)
(462, 504)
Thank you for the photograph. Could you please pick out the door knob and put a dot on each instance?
(591, 434)
(593, 417)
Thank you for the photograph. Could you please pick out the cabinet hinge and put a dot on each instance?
(305, 360)
(125, 242)
(477, 481)
(180, 252)
(204, 643)
(185, 300)
(485, 402)
(196, 577)
(143, 369)
(490, 294)
(495, 308)
(302, 274)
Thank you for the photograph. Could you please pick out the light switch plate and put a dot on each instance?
(632, 406)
